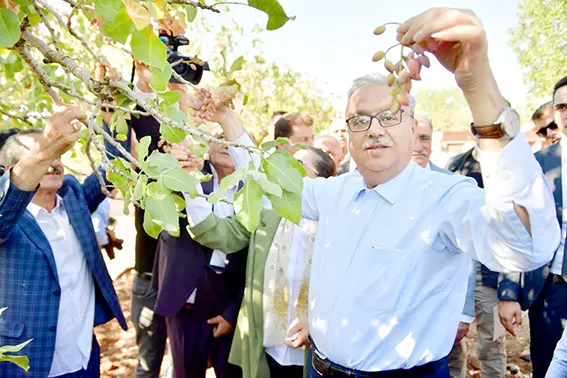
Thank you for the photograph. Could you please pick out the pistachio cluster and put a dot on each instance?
(401, 73)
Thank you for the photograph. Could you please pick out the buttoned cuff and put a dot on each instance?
(507, 172)
(466, 319)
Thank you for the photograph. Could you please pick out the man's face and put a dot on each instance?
(340, 132)
(331, 147)
(379, 149)
(301, 134)
(547, 128)
(422, 145)
(220, 158)
(53, 179)
(560, 108)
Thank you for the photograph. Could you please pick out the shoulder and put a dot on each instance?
(71, 181)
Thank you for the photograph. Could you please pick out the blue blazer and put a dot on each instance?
(29, 284)
(525, 287)
(468, 309)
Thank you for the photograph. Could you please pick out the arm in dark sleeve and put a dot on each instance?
(13, 203)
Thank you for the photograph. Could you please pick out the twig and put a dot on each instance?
(162, 119)
(40, 73)
(229, 3)
(55, 40)
(118, 146)
(73, 10)
(196, 4)
(94, 168)
(14, 116)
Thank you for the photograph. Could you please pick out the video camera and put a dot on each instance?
(190, 69)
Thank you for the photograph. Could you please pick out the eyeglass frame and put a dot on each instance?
(401, 111)
(542, 131)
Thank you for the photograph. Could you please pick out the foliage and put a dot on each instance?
(22, 361)
(49, 51)
(540, 39)
(447, 108)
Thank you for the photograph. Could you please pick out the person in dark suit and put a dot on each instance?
(544, 291)
(53, 279)
(199, 290)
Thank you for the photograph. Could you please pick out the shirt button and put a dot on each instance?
(52, 329)
(57, 293)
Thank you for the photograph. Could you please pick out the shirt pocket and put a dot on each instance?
(382, 278)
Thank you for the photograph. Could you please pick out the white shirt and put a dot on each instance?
(198, 209)
(75, 322)
(557, 264)
(283, 354)
(388, 277)
(221, 209)
(100, 218)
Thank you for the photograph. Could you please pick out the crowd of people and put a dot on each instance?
(392, 259)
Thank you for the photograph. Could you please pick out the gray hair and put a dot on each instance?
(423, 117)
(376, 79)
(14, 149)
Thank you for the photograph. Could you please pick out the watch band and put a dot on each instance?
(488, 132)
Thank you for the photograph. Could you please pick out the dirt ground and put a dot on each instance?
(118, 356)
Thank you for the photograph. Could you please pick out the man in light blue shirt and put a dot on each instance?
(394, 241)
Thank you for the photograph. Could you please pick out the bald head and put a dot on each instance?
(331, 146)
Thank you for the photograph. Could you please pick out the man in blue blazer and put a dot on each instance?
(544, 291)
(53, 279)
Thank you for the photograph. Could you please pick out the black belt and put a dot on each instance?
(327, 368)
(144, 276)
(558, 280)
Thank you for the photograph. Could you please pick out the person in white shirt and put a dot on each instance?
(388, 297)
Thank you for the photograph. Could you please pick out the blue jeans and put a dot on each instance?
(151, 331)
(441, 370)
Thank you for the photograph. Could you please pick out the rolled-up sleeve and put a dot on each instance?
(484, 223)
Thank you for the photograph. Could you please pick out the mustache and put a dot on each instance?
(421, 152)
(54, 170)
(377, 142)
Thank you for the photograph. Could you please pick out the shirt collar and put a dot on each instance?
(35, 209)
(391, 190)
(428, 166)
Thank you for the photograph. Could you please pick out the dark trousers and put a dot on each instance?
(151, 333)
(93, 367)
(547, 315)
(192, 346)
(440, 371)
(279, 371)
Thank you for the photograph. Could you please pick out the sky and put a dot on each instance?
(332, 41)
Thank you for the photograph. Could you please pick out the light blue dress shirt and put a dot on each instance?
(389, 276)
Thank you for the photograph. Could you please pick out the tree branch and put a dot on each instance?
(14, 116)
(196, 4)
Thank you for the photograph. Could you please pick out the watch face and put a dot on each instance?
(511, 124)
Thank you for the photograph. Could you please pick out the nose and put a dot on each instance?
(375, 129)
(417, 146)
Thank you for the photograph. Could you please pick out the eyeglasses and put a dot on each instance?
(363, 122)
(542, 132)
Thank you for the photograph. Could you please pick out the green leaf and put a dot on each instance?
(23, 2)
(162, 161)
(118, 122)
(164, 213)
(151, 228)
(273, 143)
(160, 78)
(225, 184)
(148, 48)
(127, 200)
(109, 9)
(140, 187)
(268, 186)
(245, 100)
(143, 146)
(3, 309)
(276, 14)
(288, 205)
(180, 181)
(171, 97)
(237, 64)
(172, 134)
(21, 361)
(279, 168)
(179, 202)
(120, 27)
(248, 205)
(191, 12)
(14, 348)
(9, 28)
